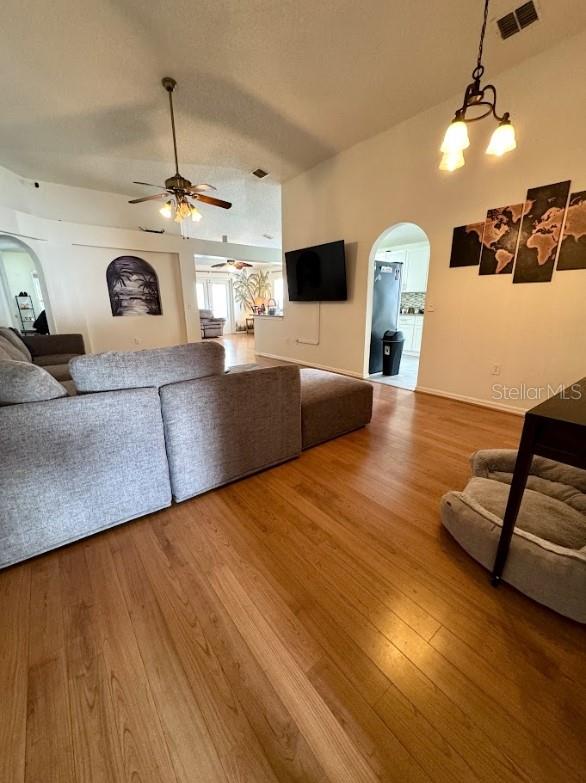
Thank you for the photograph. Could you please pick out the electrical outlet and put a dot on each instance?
(495, 369)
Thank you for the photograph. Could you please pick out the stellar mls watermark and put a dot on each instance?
(535, 393)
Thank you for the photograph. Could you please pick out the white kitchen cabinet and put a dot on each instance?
(416, 268)
(412, 328)
(417, 335)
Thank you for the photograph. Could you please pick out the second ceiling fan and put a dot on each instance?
(230, 262)
(178, 192)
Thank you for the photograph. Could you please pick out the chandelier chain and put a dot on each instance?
(479, 66)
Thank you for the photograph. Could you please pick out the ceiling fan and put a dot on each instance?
(230, 262)
(178, 192)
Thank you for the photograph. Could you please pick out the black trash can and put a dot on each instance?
(392, 352)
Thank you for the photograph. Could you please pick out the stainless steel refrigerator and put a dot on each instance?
(386, 301)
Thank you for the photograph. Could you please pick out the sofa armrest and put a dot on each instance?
(224, 427)
(51, 344)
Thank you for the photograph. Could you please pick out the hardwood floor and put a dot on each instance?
(312, 623)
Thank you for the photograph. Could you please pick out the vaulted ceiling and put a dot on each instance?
(280, 84)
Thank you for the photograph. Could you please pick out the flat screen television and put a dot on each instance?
(317, 274)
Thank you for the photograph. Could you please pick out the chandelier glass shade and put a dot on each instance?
(479, 102)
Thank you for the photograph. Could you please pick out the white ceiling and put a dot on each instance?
(280, 84)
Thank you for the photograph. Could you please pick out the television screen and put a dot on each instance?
(317, 274)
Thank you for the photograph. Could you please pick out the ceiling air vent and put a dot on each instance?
(508, 25)
(526, 14)
(515, 21)
(260, 173)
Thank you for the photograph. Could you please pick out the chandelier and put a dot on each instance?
(479, 102)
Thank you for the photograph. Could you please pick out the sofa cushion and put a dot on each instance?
(15, 353)
(24, 382)
(59, 371)
(74, 466)
(332, 405)
(54, 358)
(155, 367)
(545, 517)
(16, 340)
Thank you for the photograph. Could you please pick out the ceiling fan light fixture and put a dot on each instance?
(167, 210)
(178, 190)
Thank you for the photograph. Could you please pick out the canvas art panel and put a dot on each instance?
(573, 248)
(133, 287)
(541, 230)
(466, 245)
(499, 241)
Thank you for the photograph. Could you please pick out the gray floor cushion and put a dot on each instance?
(540, 514)
(547, 558)
(332, 405)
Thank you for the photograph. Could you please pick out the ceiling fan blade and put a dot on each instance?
(215, 202)
(149, 185)
(241, 264)
(199, 188)
(157, 196)
(216, 266)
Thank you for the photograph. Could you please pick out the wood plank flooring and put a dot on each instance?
(312, 623)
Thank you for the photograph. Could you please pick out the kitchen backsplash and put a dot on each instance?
(413, 299)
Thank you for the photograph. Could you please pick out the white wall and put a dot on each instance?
(73, 257)
(86, 274)
(535, 331)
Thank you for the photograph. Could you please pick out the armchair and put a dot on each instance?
(210, 326)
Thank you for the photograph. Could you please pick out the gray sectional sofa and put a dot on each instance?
(143, 429)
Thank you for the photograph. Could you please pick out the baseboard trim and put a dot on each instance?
(497, 406)
(310, 364)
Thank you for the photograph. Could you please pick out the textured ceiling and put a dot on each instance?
(280, 84)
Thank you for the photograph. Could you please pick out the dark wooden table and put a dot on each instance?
(555, 429)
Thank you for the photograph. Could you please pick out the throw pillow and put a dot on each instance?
(25, 382)
(14, 338)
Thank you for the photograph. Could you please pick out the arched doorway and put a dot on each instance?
(23, 294)
(397, 286)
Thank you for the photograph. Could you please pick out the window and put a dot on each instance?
(278, 292)
(201, 297)
(220, 300)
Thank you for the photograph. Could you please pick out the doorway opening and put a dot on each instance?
(24, 303)
(399, 267)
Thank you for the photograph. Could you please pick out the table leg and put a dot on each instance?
(518, 483)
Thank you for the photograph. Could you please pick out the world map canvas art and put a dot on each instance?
(466, 245)
(133, 287)
(573, 247)
(541, 230)
(499, 241)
